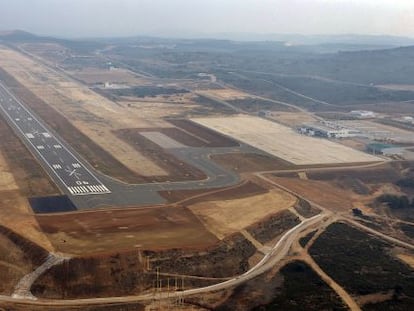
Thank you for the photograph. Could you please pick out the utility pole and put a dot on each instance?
(148, 264)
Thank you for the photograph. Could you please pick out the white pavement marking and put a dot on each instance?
(45, 133)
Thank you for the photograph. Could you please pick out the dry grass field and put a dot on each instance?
(323, 193)
(224, 94)
(17, 215)
(397, 87)
(407, 258)
(106, 231)
(100, 75)
(283, 142)
(7, 181)
(153, 109)
(94, 115)
(225, 217)
(292, 118)
(21, 177)
(15, 212)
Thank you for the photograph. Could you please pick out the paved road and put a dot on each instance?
(76, 178)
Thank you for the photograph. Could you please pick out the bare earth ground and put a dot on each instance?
(176, 169)
(225, 217)
(407, 258)
(398, 87)
(243, 190)
(100, 75)
(153, 109)
(323, 193)
(7, 181)
(15, 212)
(292, 118)
(91, 113)
(354, 144)
(208, 137)
(13, 265)
(251, 162)
(224, 94)
(283, 142)
(106, 231)
(53, 52)
(21, 177)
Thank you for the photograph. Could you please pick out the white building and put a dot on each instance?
(327, 129)
(408, 119)
(363, 114)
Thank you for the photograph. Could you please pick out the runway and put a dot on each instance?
(76, 178)
(88, 188)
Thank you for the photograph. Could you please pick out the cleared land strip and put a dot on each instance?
(283, 142)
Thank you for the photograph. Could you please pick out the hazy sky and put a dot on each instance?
(79, 18)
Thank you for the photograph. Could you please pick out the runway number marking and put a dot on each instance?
(77, 179)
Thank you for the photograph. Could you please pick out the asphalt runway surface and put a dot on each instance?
(71, 173)
(88, 188)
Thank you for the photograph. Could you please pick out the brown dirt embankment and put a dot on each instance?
(18, 256)
(274, 225)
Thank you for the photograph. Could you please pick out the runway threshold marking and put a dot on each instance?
(30, 138)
